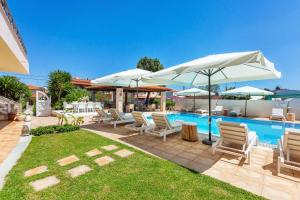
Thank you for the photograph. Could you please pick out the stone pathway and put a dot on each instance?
(78, 171)
(67, 160)
(104, 160)
(35, 171)
(93, 152)
(124, 153)
(49, 181)
(44, 183)
(110, 147)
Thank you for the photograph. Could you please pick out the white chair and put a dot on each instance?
(235, 139)
(162, 127)
(289, 146)
(218, 110)
(118, 118)
(141, 123)
(277, 114)
(82, 107)
(90, 107)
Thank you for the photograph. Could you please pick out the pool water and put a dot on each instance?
(267, 131)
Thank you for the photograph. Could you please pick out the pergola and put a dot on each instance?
(119, 92)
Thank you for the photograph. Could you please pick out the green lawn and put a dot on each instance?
(139, 176)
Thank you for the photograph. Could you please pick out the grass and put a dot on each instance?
(139, 176)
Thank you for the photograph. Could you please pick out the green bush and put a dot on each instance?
(53, 129)
(34, 109)
(77, 94)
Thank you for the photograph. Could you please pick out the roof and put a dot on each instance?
(33, 87)
(141, 89)
(81, 82)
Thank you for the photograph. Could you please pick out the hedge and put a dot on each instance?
(53, 129)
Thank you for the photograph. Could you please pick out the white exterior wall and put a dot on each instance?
(255, 108)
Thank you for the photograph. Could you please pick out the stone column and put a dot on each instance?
(119, 99)
(163, 97)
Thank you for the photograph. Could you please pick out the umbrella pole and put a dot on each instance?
(137, 95)
(208, 141)
(246, 108)
(194, 103)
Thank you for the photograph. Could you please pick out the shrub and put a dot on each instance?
(53, 129)
(77, 94)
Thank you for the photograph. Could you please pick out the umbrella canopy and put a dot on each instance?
(222, 68)
(247, 90)
(215, 69)
(192, 92)
(128, 78)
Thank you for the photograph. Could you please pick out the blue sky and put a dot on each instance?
(93, 38)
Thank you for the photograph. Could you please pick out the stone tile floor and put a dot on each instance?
(10, 132)
(260, 177)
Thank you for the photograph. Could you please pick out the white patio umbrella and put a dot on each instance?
(215, 69)
(245, 91)
(192, 92)
(128, 78)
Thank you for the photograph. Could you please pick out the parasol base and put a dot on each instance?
(206, 141)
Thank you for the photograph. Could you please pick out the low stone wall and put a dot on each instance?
(255, 108)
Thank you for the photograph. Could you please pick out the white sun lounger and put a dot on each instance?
(235, 139)
(141, 123)
(277, 114)
(117, 118)
(101, 116)
(218, 110)
(289, 145)
(162, 127)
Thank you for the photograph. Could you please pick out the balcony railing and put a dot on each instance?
(12, 23)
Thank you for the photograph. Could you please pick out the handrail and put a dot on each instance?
(4, 7)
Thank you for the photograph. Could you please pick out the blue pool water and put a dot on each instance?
(267, 131)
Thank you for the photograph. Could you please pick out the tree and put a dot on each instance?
(150, 64)
(12, 88)
(59, 85)
(277, 87)
(213, 88)
(76, 94)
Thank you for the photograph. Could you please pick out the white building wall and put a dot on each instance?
(255, 108)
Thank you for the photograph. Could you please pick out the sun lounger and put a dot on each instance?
(202, 110)
(141, 123)
(101, 116)
(277, 114)
(118, 118)
(289, 147)
(162, 127)
(235, 112)
(218, 110)
(235, 139)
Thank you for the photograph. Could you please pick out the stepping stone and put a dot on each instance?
(78, 171)
(104, 160)
(67, 160)
(93, 152)
(109, 147)
(35, 171)
(124, 153)
(44, 183)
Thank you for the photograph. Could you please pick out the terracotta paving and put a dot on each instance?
(10, 132)
(124, 153)
(260, 177)
(110, 147)
(44, 183)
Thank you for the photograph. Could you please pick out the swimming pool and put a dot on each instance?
(268, 131)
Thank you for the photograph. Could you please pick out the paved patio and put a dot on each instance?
(10, 132)
(260, 177)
